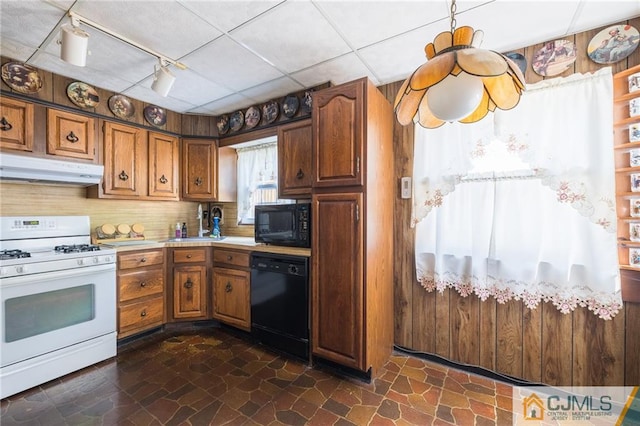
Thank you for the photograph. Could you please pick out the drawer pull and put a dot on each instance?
(189, 256)
(143, 283)
(123, 175)
(143, 313)
(228, 288)
(71, 137)
(198, 181)
(300, 174)
(5, 125)
(143, 260)
(163, 179)
(188, 284)
(229, 257)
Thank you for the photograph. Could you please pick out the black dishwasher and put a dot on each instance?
(280, 302)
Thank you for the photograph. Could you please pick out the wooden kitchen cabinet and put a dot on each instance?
(199, 170)
(190, 282)
(352, 213)
(294, 160)
(140, 277)
(164, 157)
(231, 288)
(70, 135)
(16, 124)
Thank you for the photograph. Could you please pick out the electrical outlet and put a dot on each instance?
(405, 187)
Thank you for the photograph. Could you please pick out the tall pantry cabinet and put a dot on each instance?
(352, 223)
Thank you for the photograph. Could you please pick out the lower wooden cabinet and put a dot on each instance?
(231, 288)
(140, 278)
(190, 283)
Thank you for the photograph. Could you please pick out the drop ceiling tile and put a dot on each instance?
(224, 105)
(227, 63)
(227, 15)
(36, 16)
(594, 14)
(367, 22)
(16, 50)
(272, 89)
(294, 38)
(339, 70)
(195, 89)
(164, 26)
(144, 93)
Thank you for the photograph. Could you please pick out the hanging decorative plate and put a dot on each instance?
(155, 115)
(270, 111)
(252, 117)
(121, 106)
(21, 78)
(613, 44)
(519, 59)
(554, 58)
(236, 121)
(223, 124)
(307, 102)
(83, 95)
(290, 106)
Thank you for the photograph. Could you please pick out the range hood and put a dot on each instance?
(24, 168)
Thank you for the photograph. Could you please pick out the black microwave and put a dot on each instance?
(283, 224)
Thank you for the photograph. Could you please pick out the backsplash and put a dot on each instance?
(158, 217)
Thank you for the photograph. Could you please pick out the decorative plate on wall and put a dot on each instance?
(155, 115)
(21, 78)
(307, 102)
(519, 59)
(252, 117)
(270, 111)
(290, 106)
(121, 106)
(236, 121)
(554, 58)
(613, 44)
(83, 95)
(223, 124)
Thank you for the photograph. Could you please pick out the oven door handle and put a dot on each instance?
(9, 282)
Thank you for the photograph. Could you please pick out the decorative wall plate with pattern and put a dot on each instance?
(21, 77)
(223, 124)
(613, 44)
(121, 106)
(554, 58)
(252, 117)
(270, 111)
(83, 95)
(236, 121)
(155, 115)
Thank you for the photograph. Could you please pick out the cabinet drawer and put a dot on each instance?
(140, 259)
(230, 257)
(141, 283)
(141, 314)
(190, 255)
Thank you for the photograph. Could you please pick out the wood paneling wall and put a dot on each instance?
(541, 345)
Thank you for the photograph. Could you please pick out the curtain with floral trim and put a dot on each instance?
(521, 205)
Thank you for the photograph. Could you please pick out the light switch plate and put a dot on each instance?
(405, 187)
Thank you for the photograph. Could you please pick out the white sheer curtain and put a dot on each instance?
(543, 227)
(257, 170)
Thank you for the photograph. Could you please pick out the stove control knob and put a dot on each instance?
(80, 262)
(3, 271)
(21, 269)
(96, 259)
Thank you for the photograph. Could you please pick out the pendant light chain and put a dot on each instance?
(453, 16)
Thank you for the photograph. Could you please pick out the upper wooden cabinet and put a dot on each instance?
(70, 135)
(338, 131)
(294, 160)
(164, 152)
(16, 124)
(138, 164)
(199, 169)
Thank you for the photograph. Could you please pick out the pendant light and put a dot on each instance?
(459, 81)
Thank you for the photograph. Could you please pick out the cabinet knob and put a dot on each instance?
(143, 284)
(144, 259)
(229, 257)
(163, 179)
(123, 175)
(198, 181)
(228, 288)
(71, 137)
(143, 313)
(188, 283)
(189, 256)
(5, 125)
(300, 174)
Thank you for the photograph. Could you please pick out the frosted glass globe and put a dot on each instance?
(455, 97)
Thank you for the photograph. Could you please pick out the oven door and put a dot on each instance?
(44, 312)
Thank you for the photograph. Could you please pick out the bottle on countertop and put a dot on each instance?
(216, 228)
(178, 230)
(184, 230)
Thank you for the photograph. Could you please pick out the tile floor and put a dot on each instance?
(208, 376)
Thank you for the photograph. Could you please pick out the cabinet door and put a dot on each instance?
(70, 135)
(163, 166)
(231, 299)
(199, 175)
(125, 160)
(294, 160)
(337, 279)
(190, 291)
(338, 117)
(16, 124)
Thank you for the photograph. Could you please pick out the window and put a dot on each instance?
(257, 177)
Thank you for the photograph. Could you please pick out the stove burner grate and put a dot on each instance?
(13, 254)
(76, 248)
